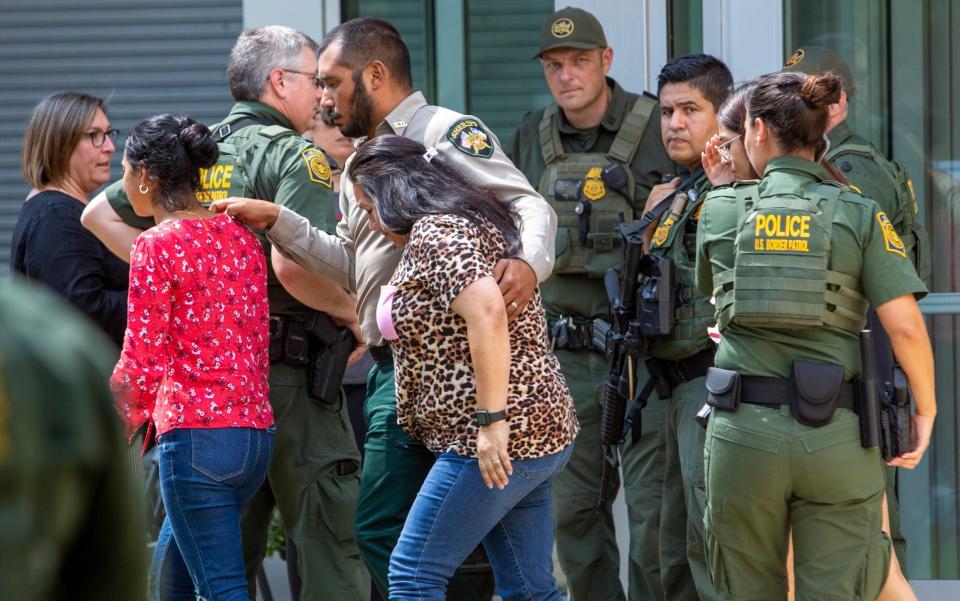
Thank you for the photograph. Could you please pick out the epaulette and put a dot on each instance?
(275, 131)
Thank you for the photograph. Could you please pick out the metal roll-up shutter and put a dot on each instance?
(503, 81)
(143, 56)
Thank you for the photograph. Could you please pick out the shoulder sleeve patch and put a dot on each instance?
(317, 167)
(891, 240)
(470, 137)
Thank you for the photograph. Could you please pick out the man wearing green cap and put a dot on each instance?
(594, 155)
(885, 181)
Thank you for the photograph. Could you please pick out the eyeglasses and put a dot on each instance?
(98, 136)
(724, 149)
(315, 78)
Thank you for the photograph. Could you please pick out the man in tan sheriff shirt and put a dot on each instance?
(367, 89)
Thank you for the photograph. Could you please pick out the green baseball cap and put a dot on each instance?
(571, 28)
(814, 59)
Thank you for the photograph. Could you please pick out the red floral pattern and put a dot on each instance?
(195, 352)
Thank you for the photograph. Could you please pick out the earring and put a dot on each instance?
(144, 189)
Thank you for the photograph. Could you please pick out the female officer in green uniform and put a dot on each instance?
(794, 262)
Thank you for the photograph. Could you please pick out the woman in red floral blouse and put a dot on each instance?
(195, 360)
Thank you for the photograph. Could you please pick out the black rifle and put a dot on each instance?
(621, 340)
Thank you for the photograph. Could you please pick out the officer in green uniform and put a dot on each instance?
(886, 182)
(794, 263)
(314, 477)
(594, 156)
(72, 514)
(691, 89)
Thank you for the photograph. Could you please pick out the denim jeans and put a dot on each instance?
(206, 477)
(455, 511)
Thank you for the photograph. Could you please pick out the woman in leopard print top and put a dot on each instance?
(456, 357)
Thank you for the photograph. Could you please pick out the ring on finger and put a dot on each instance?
(514, 304)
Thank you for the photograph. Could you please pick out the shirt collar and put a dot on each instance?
(257, 110)
(616, 109)
(399, 118)
(840, 133)
(780, 175)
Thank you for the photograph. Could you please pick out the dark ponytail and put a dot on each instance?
(172, 150)
(404, 186)
(794, 106)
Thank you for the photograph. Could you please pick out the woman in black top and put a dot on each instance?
(66, 157)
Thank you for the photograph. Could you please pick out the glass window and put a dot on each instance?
(684, 27)
(906, 66)
(504, 81)
(414, 20)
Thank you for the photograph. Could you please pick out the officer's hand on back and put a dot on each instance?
(259, 214)
(517, 282)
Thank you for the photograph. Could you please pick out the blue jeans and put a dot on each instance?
(455, 511)
(206, 477)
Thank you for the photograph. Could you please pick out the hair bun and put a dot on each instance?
(197, 141)
(821, 89)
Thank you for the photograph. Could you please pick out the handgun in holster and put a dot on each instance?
(328, 362)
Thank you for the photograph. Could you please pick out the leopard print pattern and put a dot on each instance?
(436, 389)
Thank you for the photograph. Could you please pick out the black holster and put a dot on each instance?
(317, 344)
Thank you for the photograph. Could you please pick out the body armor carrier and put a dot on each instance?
(589, 192)
(781, 276)
(913, 234)
(693, 312)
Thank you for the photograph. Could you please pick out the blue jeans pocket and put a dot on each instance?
(541, 467)
(220, 453)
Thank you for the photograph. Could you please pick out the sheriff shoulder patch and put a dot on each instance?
(469, 137)
(317, 167)
(891, 240)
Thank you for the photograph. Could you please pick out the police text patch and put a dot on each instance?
(891, 240)
(317, 167)
(469, 137)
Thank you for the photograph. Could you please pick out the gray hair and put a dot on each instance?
(258, 51)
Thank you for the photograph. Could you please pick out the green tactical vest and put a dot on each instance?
(602, 250)
(912, 232)
(781, 276)
(693, 312)
(241, 154)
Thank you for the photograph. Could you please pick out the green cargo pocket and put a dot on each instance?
(746, 438)
(876, 566)
(562, 260)
(337, 505)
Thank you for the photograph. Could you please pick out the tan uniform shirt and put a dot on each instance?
(362, 261)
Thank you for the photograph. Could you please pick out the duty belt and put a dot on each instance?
(774, 392)
(571, 333)
(670, 374)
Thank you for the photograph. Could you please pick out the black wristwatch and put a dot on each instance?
(485, 418)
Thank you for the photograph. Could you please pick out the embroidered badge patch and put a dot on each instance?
(891, 240)
(796, 57)
(663, 231)
(469, 137)
(317, 167)
(561, 28)
(593, 187)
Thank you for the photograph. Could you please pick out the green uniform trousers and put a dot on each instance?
(395, 466)
(767, 474)
(315, 479)
(893, 507)
(683, 564)
(586, 539)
